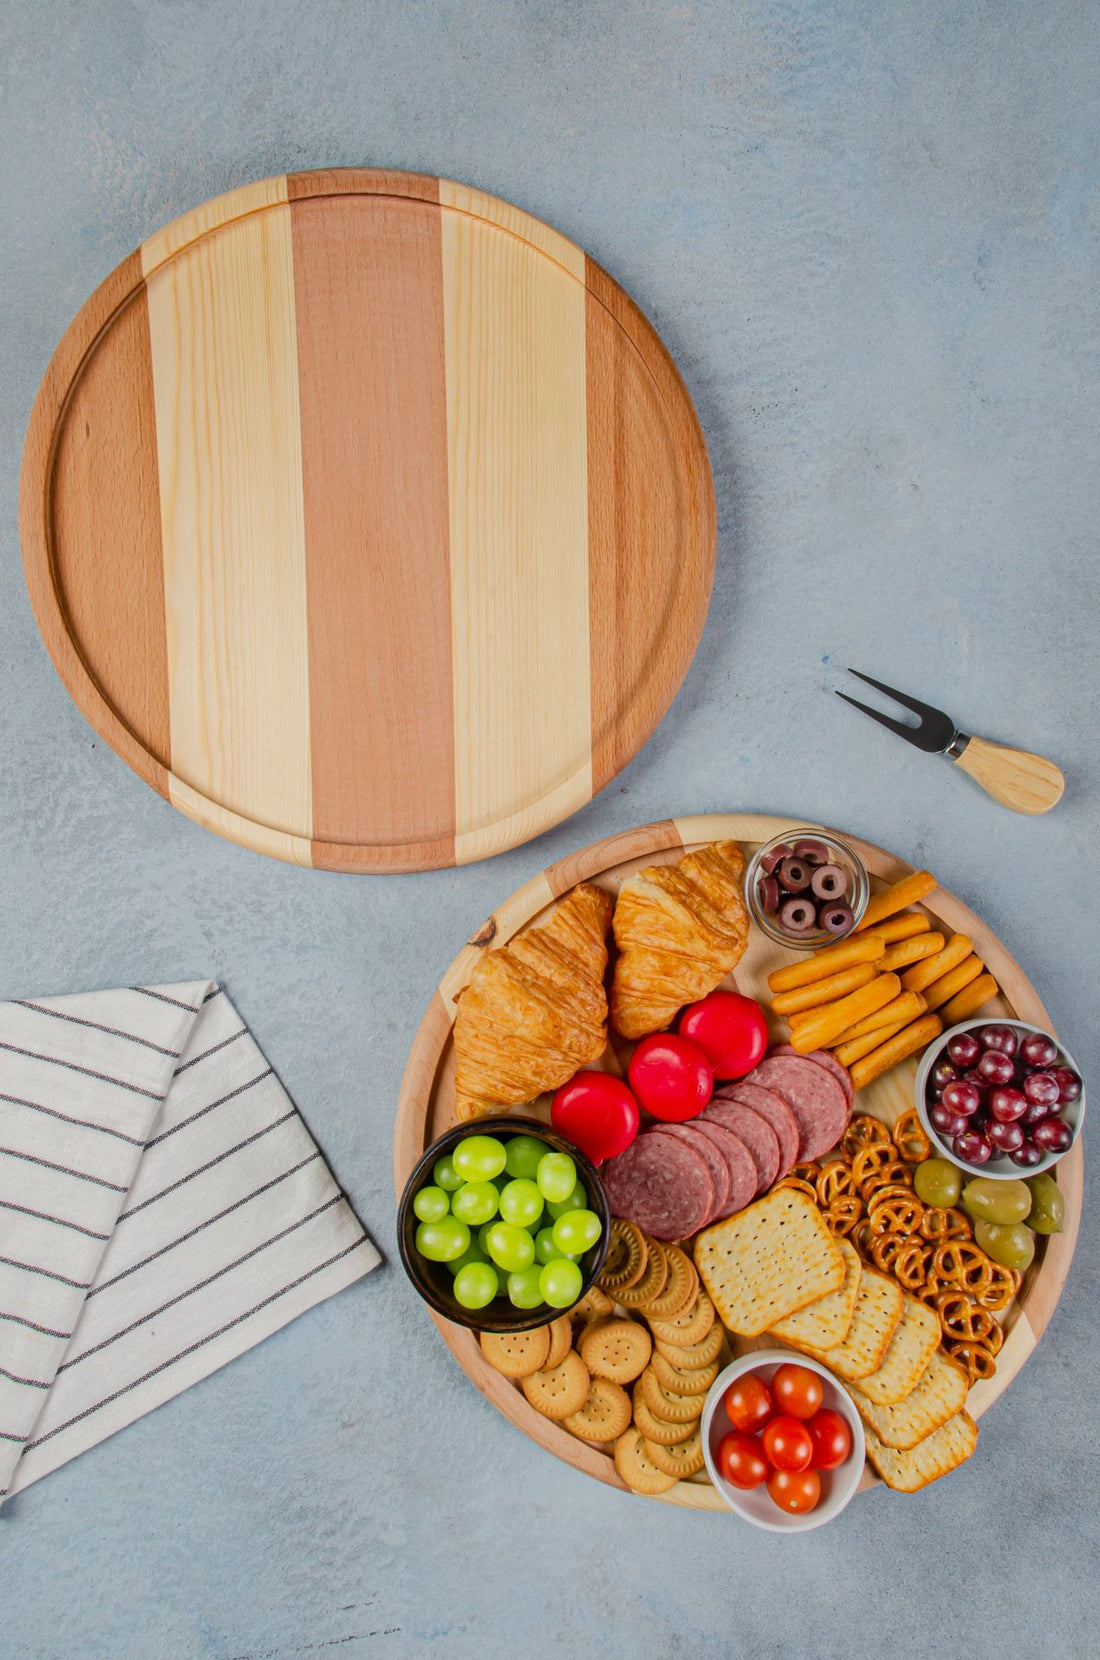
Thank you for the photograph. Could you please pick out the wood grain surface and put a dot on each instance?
(426, 1102)
(367, 519)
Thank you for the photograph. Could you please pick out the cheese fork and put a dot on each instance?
(1017, 779)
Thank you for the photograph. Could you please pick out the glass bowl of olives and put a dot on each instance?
(805, 889)
(1001, 1098)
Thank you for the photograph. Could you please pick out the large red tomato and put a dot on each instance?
(730, 1029)
(597, 1113)
(671, 1076)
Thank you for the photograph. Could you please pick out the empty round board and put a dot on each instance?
(367, 519)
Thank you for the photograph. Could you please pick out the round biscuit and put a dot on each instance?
(560, 1392)
(690, 1355)
(561, 1341)
(689, 1326)
(636, 1468)
(594, 1304)
(680, 1382)
(668, 1404)
(616, 1349)
(679, 1288)
(516, 1354)
(682, 1459)
(658, 1429)
(627, 1256)
(605, 1414)
(651, 1283)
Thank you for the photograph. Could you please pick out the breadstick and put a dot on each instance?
(911, 951)
(948, 985)
(957, 949)
(829, 1022)
(821, 964)
(968, 1001)
(893, 899)
(901, 927)
(895, 1049)
(849, 1052)
(899, 1013)
(824, 991)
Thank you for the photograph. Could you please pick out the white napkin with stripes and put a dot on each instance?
(163, 1208)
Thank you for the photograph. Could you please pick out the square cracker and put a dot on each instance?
(824, 1324)
(941, 1393)
(877, 1316)
(768, 1260)
(937, 1455)
(911, 1348)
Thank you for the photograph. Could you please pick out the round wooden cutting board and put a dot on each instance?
(368, 520)
(426, 1105)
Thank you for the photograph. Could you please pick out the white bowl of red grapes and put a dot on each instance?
(1000, 1098)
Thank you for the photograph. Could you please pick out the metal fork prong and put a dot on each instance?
(925, 710)
(898, 726)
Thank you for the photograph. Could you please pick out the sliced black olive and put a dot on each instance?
(798, 917)
(829, 881)
(794, 874)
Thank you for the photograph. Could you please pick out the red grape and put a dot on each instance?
(1042, 1087)
(1039, 1050)
(1006, 1105)
(996, 1068)
(1007, 1138)
(1069, 1084)
(964, 1048)
(1052, 1134)
(942, 1073)
(998, 1037)
(1027, 1155)
(1035, 1111)
(973, 1147)
(962, 1098)
(947, 1122)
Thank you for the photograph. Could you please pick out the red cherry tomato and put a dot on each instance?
(787, 1444)
(671, 1077)
(597, 1113)
(831, 1437)
(741, 1461)
(795, 1491)
(798, 1391)
(748, 1403)
(730, 1029)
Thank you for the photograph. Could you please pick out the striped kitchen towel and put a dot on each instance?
(162, 1208)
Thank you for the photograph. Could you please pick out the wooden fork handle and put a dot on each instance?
(1027, 783)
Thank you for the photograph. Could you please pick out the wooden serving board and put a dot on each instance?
(426, 1105)
(367, 519)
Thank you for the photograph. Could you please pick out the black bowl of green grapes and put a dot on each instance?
(503, 1225)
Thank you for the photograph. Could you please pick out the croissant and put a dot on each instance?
(535, 1009)
(679, 928)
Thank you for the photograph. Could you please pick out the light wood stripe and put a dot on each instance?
(229, 452)
(516, 436)
(369, 310)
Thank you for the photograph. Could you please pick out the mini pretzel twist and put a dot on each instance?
(995, 1340)
(894, 1214)
(875, 1156)
(799, 1186)
(834, 1182)
(963, 1265)
(911, 1265)
(863, 1131)
(843, 1214)
(806, 1172)
(863, 1238)
(910, 1138)
(962, 1319)
(885, 1248)
(893, 1174)
(939, 1225)
(978, 1361)
(1003, 1286)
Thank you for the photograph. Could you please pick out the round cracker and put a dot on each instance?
(678, 1382)
(690, 1355)
(516, 1354)
(682, 1459)
(689, 1326)
(670, 1405)
(605, 1414)
(651, 1283)
(561, 1391)
(616, 1349)
(561, 1341)
(627, 1256)
(658, 1429)
(594, 1305)
(636, 1468)
(679, 1288)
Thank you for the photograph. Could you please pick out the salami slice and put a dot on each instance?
(739, 1163)
(829, 1062)
(758, 1136)
(712, 1158)
(661, 1184)
(772, 1107)
(816, 1099)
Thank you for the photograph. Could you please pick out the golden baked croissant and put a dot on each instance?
(535, 1009)
(679, 928)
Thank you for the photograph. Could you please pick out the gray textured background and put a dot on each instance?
(868, 232)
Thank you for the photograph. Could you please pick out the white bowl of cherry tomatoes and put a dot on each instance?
(782, 1440)
(1000, 1098)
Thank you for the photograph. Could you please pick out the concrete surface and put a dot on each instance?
(868, 231)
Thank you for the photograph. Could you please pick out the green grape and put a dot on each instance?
(577, 1200)
(431, 1204)
(478, 1158)
(442, 1241)
(561, 1282)
(476, 1285)
(576, 1232)
(938, 1182)
(472, 1253)
(521, 1203)
(483, 1238)
(475, 1203)
(524, 1290)
(511, 1248)
(545, 1248)
(522, 1155)
(1009, 1243)
(999, 1202)
(1048, 1205)
(445, 1174)
(556, 1176)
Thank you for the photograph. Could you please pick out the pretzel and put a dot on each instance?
(893, 1174)
(834, 1182)
(962, 1319)
(910, 1138)
(885, 1248)
(1003, 1286)
(963, 1265)
(863, 1238)
(872, 1157)
(863, 1131)
(843, 1214)
(911, 1265)
(799, 1186)
(978, 1361)
(938, 1225)
(871, 1195)
(892, 1213)
(994, 1342)
(808, 1171)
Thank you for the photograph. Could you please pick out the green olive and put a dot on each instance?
(1000, 1202)
(1009, 1243)
(937, 1182)
(1048, 1205)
